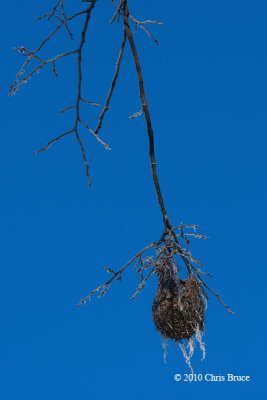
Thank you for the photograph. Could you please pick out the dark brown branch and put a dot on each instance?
(128, 32)
(145, 108)
(84, 157)
(79, 97)
(53, 141)
(113, 83)
(66, 109)
(65, 19)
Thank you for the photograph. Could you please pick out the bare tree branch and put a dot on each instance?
(167, 246)
(145, 108)
(116, 274)
(53, 141)
(174, 242)
(113, 83)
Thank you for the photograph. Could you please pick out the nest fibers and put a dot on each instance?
(178, 309)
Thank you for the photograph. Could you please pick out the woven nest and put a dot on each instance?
(178, 308)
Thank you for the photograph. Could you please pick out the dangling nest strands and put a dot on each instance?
(178, 308)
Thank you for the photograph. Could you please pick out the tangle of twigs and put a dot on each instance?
(142, 263)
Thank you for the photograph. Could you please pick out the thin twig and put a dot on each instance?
(216, 295)
(95, 135)
(49, 15)
(65, 19)
(142, 283)
(113, 83)
(90, 102)
(84, 158)
(137, 114)
(116, 274)
(116, 13)
(66, 109)
(137, 23)
(140, 24)
(53, 141)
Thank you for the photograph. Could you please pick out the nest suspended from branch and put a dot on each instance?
(178, 308)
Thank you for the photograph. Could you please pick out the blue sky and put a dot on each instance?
(206, 86)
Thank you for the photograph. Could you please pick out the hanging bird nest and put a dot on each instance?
(178, 308)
